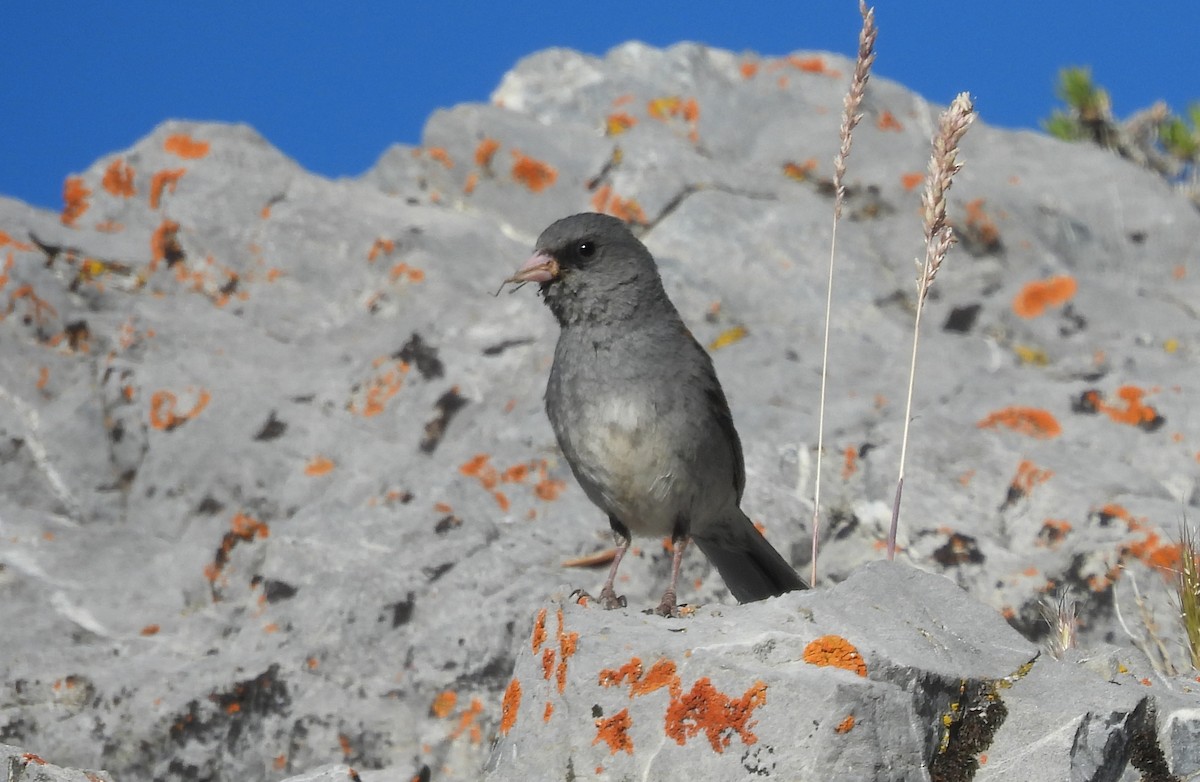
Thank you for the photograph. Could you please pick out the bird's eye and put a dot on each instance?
(586, 249)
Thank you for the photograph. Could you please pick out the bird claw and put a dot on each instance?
(667, 606)
(609, 599)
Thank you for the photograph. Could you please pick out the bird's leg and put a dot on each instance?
(667, 606)
(609, 598)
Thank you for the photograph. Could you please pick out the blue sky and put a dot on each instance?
(333, 84)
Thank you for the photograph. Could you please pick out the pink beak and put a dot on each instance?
(541, 267)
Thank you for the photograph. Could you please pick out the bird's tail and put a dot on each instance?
(751, 567)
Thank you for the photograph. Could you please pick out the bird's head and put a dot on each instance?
(590, 265)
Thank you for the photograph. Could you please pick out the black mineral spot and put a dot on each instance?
(274, 590)
(959, 549)
(209, 506)
(500, 347)
(240, 708)
(597, 711)
(271, 429)
(402, 610)
(446, 407)
(435, 572)
(77, 334)
(1137, 237)
(447, 523)
(1070, 322)
(423, 356)
(962, 319)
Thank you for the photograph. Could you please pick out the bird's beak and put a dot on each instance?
(541, 267)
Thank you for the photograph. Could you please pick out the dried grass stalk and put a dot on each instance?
(1188, 586)
(943, 165)
(850, 119)
(1060, 615)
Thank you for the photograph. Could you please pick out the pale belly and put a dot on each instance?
(627, 466)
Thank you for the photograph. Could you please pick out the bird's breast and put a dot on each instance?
(624, 462)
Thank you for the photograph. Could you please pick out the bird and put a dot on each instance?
(639, 414)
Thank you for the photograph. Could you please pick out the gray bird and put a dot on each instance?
(638, 412)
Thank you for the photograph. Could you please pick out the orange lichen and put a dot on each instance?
(1038, 295)
(109, 227)
(443, 703)
(910, 180)
(547, 712)
(118, 179)
(168, 179)
(510, 706)
(1023, 420)
(317, 466)
(661, 674)
(547, 488)
(441, 156)
(748, 69)
(619, 122)
(627, 209)
(888, 121)
(501, 499)
(1053, 532)
(567, 644)
(707, 709)
(242, 528)
(75, 200)
(479, 467)
(664, 108)
(162, 409)
(539, 631)
(613, 731)
(1133, 412)
(471, 183)
(41, 307)
(849, 462)
(515, 474)
(1153, 551)
(984, 232)
(372, 398)
(846, 725)
(629, 672)
(548, 657)
(808, 64)
(833, 650)
(407, 272)
(6, 240)
(186, 147)
(467, 722)
(380, 245)
(691, 111)
(1028, 475)
(800, 171)
(485, 151)
(534, 174)
(150, 630)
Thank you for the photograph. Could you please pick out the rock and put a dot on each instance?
(831, 684)
(277, 489)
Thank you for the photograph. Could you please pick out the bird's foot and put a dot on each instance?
(609, 599)
(667, 606)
